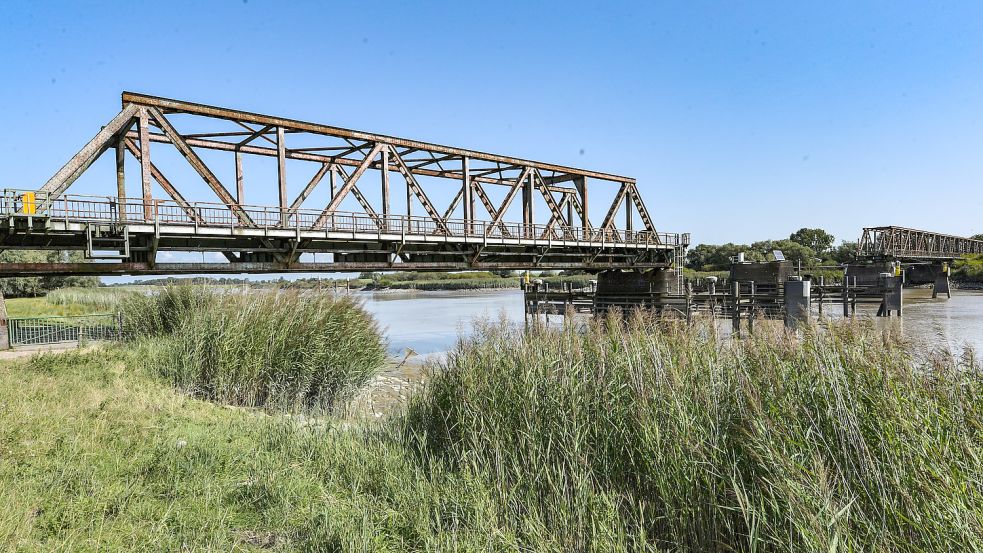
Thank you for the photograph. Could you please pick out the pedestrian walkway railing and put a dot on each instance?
(33, 331)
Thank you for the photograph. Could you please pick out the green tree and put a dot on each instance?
(36, 286)
(710, 257)
(977, 237)
(846, 252)
(793, 251)
(816, 239)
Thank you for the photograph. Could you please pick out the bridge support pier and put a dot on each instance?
(941, 285)
(629, 289)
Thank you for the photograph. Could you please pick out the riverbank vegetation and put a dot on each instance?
(399, 280)
(811, 248)
(644, 435)
(29, 287)
(260, 349)
(968, 269)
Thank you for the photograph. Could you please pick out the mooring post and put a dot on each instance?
(736, 310)
(689, 301)
(753, 310)
(822, 288)
(4, 332)
(846, 296)
(798, 298)
(712, 290)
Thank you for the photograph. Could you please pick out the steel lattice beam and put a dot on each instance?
(906, 243)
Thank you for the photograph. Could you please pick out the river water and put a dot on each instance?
(430, 322)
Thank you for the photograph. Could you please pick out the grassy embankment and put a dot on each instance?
(968, 270)
(68, 302)
(648, 436)
(472, 280)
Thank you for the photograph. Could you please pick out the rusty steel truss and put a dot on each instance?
(132, 229)
(899, 243)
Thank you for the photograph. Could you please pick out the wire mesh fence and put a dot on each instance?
(28, 331)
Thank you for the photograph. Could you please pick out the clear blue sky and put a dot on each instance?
(741, 121)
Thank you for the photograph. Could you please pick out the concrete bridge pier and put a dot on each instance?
(629, 289)
(941, 284)
(935, 273)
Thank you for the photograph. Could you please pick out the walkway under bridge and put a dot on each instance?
(123, 232)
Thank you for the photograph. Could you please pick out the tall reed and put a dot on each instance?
(259, 348)
(657, 435)
(99, 298)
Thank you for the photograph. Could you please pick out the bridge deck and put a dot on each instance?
(273, 240)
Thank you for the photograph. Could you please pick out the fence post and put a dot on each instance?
(4, 330)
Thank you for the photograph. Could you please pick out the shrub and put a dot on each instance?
(267, 348)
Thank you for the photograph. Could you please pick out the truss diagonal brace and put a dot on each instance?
(508, 198)
(206, 174)
(420, 194)
(642, 211)
(550, 201)
(85, 157)
(613, 210)
(349, 184)
(163, 182)
(323, 170)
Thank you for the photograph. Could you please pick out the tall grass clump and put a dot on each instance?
(278, 349)
(98, 298)
(649, 434)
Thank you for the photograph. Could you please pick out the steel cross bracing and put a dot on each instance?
(904, 243)
(256, 238)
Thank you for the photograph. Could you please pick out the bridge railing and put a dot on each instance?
(112, 210)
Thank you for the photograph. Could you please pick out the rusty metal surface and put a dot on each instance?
(178, 106)
(139, 225)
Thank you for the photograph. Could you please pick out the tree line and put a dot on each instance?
(809, 246)
(15, 287)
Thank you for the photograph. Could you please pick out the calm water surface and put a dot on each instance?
(430, 322)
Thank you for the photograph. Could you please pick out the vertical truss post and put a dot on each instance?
(121, 178)
(569, 202)
(581, 184)
(628, 202)
(384, 168)
(332, 171)
(145, 169)
(468, 197)
(281, 172)
(240, 195)
(528, 195)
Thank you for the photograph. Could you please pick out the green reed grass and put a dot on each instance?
(105, 299)
(657, 435)
(258, 348)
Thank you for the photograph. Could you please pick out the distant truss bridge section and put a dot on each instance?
(905, 244)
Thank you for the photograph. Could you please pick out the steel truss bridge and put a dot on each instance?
(905, 244)
(124, 232)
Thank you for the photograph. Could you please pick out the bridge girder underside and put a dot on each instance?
(269, 252)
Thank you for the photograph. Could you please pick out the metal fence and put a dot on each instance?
(30, 331)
